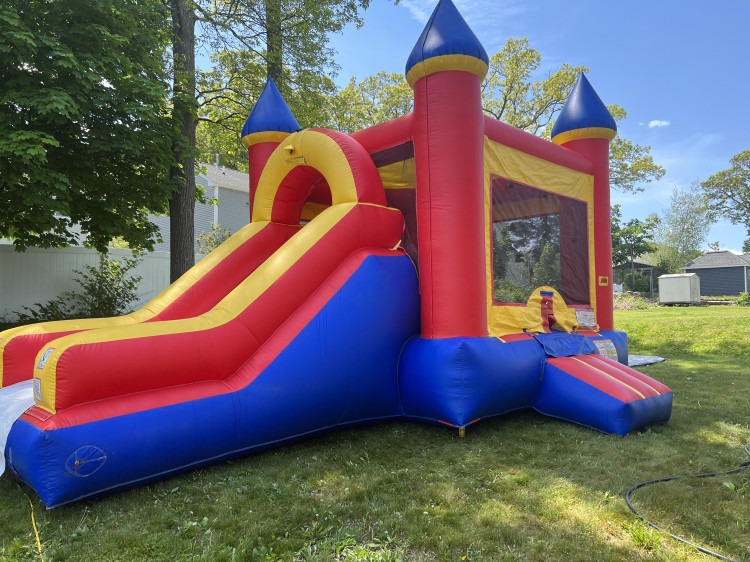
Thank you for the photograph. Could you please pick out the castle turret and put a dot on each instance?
(445, 69)
(586, 126)
(269, 123)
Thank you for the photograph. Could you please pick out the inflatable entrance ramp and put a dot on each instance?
(600, 393)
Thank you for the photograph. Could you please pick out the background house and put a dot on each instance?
(229, 188)
(721, 273)
(41, 274)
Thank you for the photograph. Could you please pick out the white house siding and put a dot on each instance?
(234, 209)
(39, 275)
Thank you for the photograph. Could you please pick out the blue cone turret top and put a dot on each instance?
(447, 43)
(270, 120)
(584, 116)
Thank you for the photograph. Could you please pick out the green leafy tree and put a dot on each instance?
(728, 193)
(376, 99)
(284, 39)
(224, 93)
(84, 129)
(632, 238)
(683, 230)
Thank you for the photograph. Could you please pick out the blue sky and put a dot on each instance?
(680, 69)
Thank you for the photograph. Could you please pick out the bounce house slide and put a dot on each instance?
(195, 293)
(281, 356)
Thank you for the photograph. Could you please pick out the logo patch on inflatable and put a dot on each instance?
(85, 461)
(37, 384)
(43, 359)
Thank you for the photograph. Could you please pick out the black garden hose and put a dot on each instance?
(702, 549)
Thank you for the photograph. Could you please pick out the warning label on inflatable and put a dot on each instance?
(606, 347)
(586, 318)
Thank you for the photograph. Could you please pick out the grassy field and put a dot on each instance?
(519, 487)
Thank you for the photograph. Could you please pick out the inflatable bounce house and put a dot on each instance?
(442, 267)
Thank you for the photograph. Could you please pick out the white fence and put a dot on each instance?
(39, 275)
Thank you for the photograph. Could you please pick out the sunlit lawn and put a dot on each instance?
(519, 487)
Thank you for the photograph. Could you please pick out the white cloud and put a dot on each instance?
(657, 124)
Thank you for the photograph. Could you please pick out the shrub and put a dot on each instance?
(106, 290)
(743, 299)
(630, 301)
(636, 282)
(209, 241)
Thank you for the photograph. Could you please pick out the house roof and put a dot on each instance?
(723, 258)
(224, 177)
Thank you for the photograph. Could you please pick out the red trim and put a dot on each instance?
(208, 290)
(621, 373)
(658, 387)
(591, 376)
(19, 355)
(257, 158)
(386, 135)
(449, 156)
(366, 176)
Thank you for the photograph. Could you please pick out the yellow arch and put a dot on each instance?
(305, 148)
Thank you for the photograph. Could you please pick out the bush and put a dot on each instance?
(743, 299)
(630, 301)
(635, 282)
(106, 290)
(209, 241)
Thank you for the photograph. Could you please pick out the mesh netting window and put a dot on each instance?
(538, 238)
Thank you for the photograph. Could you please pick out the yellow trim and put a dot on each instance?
(442, 63)
(626, 385)
(585, 133)
(225, 311)
(399, 175)
(501, 160)
(305, 148)
(263, 136)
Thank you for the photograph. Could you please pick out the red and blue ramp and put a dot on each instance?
(595, 391)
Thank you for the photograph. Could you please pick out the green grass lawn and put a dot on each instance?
(519, 487)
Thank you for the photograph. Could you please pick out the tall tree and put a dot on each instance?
(683, 230)
(286, 40)
(84, 129)
(728, 192)
(184, 116)
(632, 238)
(375, 99)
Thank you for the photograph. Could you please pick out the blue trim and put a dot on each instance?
(271, 113)
(446, 33)
(583, 109)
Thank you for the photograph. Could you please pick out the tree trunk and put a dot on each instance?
(182, 203)
(274, 41)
